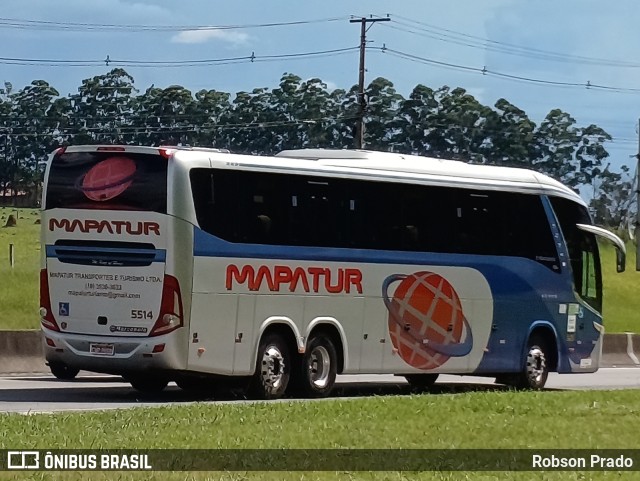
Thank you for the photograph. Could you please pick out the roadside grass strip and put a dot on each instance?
(19, 296)
(474, 420)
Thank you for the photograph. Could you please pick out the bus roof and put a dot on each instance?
(367, 164)
(421, 167)
(413, 164)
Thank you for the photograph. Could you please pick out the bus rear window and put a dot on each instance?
(108, 180)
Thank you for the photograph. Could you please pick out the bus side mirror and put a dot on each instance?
(621, 250)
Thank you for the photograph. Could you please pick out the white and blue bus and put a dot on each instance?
(200, 267)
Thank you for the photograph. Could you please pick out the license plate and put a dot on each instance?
(102, 349)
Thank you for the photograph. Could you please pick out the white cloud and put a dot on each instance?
(205, 35)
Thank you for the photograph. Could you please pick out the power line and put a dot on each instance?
(253, 58)
(191, 127)
(113, 62)
(24, 24)
(459, 38)
(485, 71)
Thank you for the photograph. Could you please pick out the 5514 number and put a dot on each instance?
(141, 314)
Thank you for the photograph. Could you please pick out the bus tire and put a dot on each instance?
(273, 368)
(421, 382)
(63, 371)
(536, 365)
(147, 384)
(316, 372)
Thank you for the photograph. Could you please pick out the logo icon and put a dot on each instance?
(107, 179)
(23, 460)
(63, 309)
(426, 322)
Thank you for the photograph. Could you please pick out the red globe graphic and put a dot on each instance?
(108, 178)
(426, 322)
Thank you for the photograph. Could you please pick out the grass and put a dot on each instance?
(19, 292)
(490, 420)
(19, 296)
(621, 300)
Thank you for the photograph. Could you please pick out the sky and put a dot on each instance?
(560, 46)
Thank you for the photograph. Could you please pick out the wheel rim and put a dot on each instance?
(319, 367)
(536, 365)
(272, 368)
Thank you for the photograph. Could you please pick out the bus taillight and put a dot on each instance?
(46, 316)
(166, 153)
(171, 315)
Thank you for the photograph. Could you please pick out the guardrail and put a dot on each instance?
(22, 351)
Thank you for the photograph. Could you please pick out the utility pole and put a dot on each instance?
(362, 102)
(637, 226)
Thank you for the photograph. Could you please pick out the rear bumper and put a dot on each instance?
(131, 354)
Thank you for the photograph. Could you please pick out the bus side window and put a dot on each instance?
(322, 211)
(262, 208)
(478, 227)
(214, 211)
(583, 263)
(589, 289)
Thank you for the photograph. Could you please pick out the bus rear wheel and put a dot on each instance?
(273, 368)
(536, 366)
(316, 373)
(63, 371)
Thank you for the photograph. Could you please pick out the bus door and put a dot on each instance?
(583, 329)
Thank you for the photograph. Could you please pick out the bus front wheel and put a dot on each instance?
(273, 368)
(316, 374)
(536, 366)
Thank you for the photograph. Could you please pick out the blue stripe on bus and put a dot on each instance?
(69, 252)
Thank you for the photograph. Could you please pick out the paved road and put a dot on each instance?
(90, 392)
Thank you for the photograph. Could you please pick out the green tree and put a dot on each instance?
(31, 132)
(460, 126)
(102, 109)
(383, 104)
(415, 122)
(165, 117)
(308, 111)
(249, 124)
(510, 135)
(209, 110)
(5, 139)
(613, 201)
(573, 155)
